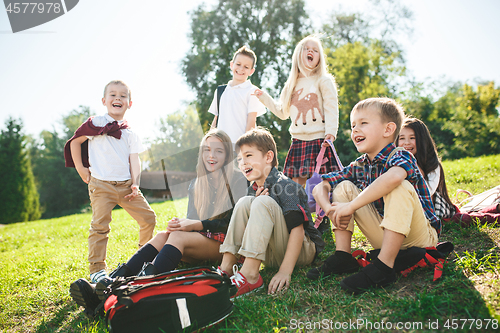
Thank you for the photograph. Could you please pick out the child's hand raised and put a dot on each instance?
(261, 191)
(257, 93)
(328, 137)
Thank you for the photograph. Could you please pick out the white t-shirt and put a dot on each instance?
(236, 103)
(109, 156)
(433, 180)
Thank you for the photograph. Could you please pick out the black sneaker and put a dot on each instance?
(338, 263)
(324, 225)
(83, 293)
(368, 277)
(122, 270)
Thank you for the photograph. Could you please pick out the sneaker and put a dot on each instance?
(338, 263)
(324, 225)
(148, 269)
(97, 276)
(244, 287)
(368, 277)
(221, 272)
(101, 286)
(83, 293)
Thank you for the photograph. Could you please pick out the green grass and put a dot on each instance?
(39, 260)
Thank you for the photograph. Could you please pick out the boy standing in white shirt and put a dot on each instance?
(238, 108)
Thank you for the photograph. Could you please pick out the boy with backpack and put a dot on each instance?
(384, 191)
(234, 106)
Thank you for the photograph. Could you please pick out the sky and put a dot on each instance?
(51, 69)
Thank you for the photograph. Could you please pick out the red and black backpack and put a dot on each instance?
(178, 301)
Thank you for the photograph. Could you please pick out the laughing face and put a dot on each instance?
(214, 154)
(117, 101)
(254, 164)
(407, 140)
(310, 54)
(242, 68)
(369, 132)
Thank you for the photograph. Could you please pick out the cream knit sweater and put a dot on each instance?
(313, 110)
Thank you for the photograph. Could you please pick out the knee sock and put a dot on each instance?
(168, 258)
(145, 254)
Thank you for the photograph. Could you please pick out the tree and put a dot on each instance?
(271, 28)
(463, 121)
(365, 58)
(475, 121)
(434, 112)
(61, 189)
(361, 71)
(18, 193)
(382, 20)
(178, 142)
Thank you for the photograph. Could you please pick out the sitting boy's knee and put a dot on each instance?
(407, 186)
(243, 202)
(404, 188)
(263, 200)
(343, 189)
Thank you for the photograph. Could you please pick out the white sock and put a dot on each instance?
(98, 276)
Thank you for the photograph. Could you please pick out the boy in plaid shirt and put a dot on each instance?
(384, 191)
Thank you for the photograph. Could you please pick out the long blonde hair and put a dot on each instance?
(298, 67)
(202, 185)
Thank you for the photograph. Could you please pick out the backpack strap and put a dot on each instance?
(434, 257)
(392, 154)
(388, 158)
(220, 90)
(360, 257)
(429, 261)
(228, 187)
(320, 160)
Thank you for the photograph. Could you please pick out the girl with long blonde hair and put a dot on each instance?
(309, 98)
(212, 195)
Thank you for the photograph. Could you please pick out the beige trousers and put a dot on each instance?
(258, 230)
(403, 214)
(104, 196)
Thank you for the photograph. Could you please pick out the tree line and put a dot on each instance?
(362, 53)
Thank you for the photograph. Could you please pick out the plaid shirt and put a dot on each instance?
(292, 199)
(362, 173)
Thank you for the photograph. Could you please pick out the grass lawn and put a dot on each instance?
(39, 260)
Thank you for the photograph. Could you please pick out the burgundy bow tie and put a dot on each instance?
(113, 129)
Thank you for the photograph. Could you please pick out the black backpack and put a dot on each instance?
(220, 90)
(178, 301)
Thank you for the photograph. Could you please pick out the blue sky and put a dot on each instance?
(51, 69)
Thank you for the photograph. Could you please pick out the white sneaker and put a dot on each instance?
(98, 276)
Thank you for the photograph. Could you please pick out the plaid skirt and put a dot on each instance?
(301, 159)
(218, 236)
